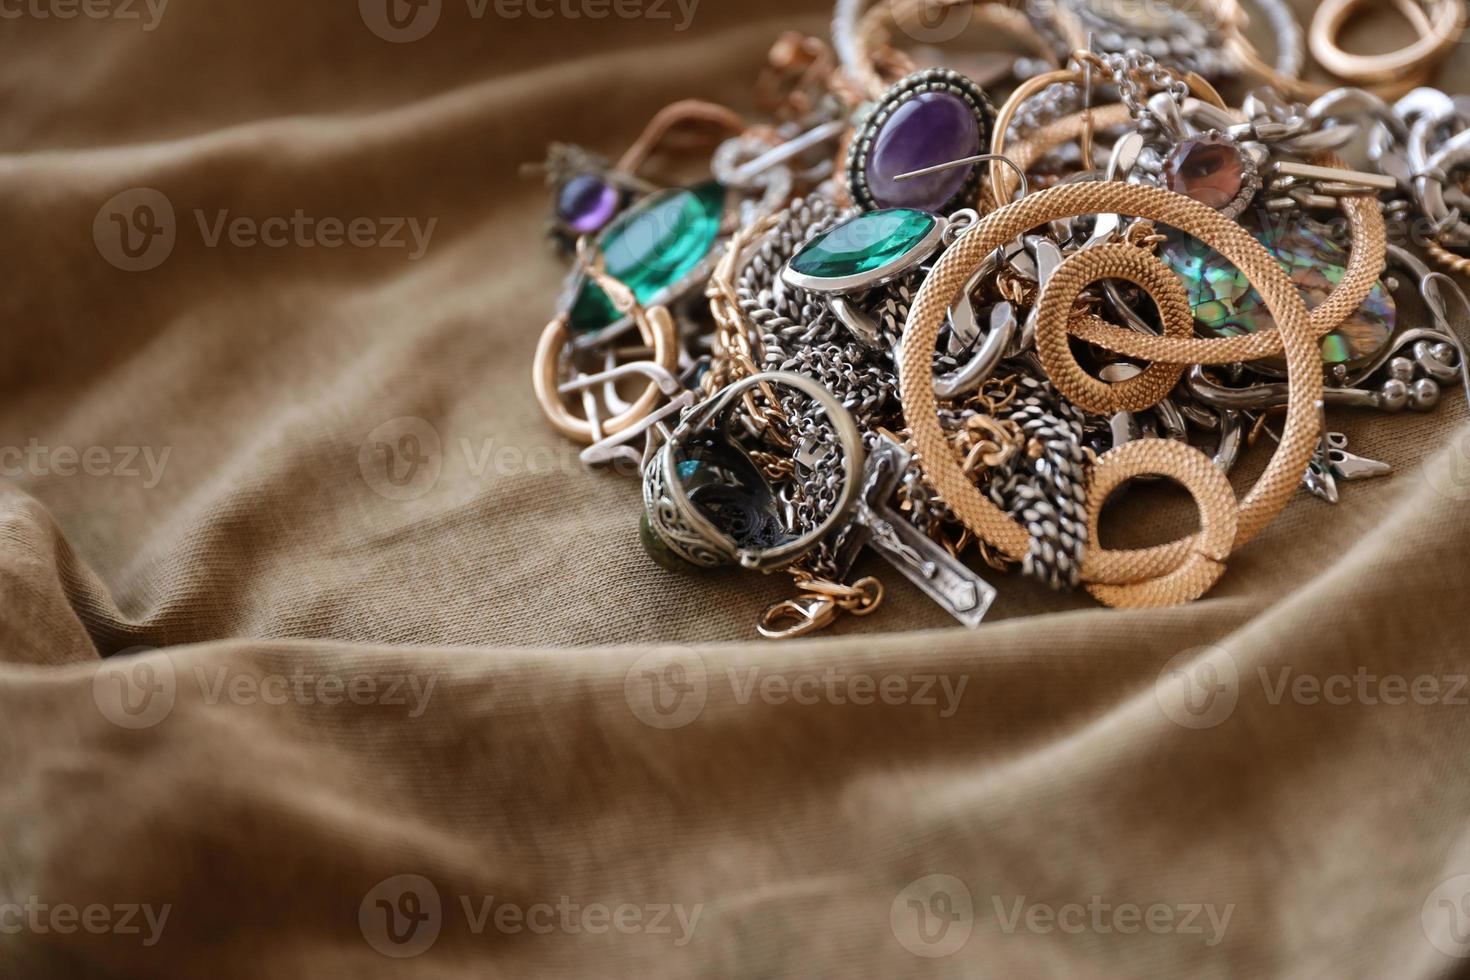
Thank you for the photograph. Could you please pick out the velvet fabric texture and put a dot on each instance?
(321, 657)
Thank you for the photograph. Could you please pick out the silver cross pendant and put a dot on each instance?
(938, 574)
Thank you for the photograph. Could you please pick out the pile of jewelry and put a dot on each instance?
(896, 317)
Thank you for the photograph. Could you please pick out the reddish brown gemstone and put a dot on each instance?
(1209, 169)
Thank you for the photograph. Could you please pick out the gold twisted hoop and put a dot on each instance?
(942, 287)
(1436, 38)
(1055, 315)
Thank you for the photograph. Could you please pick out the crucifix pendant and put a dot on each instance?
(938, 574)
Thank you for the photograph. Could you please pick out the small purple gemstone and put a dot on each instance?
(1210, 169)
(586, 203)
(928, 129)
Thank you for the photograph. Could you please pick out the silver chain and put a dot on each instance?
(1047, 494)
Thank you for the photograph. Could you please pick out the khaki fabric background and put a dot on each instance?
(509, 632)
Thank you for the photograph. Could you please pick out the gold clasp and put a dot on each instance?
(791, 618)
(818, 606)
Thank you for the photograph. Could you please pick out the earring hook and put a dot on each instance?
(964, 161)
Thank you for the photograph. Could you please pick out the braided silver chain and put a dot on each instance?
(1047, 494)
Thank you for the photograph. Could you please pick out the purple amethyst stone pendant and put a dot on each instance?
(932, 117)
(587, 193)
(1214, 170)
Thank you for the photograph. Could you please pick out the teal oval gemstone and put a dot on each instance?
(1225, 304)
(650, 248)
(864, 243)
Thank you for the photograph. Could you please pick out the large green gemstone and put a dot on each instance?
(650, 248)
(1226, 305)
(864, 243)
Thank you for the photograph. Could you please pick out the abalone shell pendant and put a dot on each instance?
(1225, 304)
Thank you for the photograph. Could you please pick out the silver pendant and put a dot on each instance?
(949, 582)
